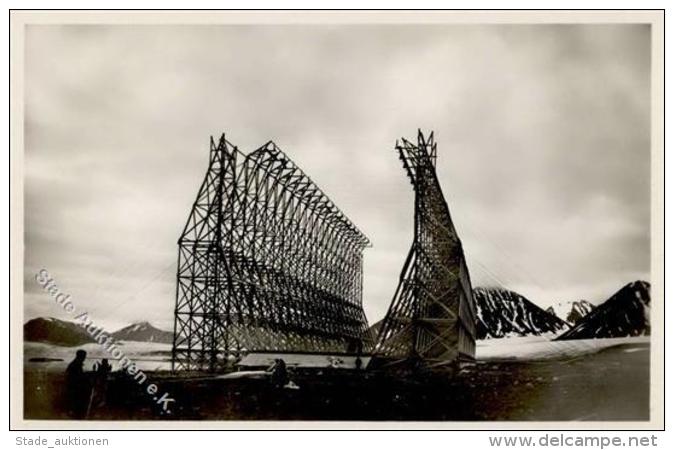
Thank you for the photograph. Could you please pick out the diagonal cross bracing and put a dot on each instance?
(265, 262)
(431, 320)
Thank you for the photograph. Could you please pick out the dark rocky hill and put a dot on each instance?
(504, 313)
(55, 331)
(626, 313)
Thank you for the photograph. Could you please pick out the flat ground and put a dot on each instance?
(611, 384)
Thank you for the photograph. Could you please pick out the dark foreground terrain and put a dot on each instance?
(612, 384)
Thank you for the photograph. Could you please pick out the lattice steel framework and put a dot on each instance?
(431, 320)
(266, 262)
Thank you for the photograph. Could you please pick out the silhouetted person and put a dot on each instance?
(103, 368)
(279, 373)
(359, 352)
(77, 386)
(99, 390)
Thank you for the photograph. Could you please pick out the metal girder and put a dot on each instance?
(265, 262)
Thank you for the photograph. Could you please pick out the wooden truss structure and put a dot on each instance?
(431, 320)
(266, 262)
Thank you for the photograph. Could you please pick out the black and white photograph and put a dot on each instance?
(438, 218)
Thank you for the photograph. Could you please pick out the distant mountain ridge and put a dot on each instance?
(54, 331)
(503, 313)
(143, 332)
(571, 311)
(61, 332)
(500, 313)
(625, 313)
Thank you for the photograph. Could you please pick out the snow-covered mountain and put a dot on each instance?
(626, 313)
(504, 313)
(55, 331)
(65, 333)
(571, 311)
(143, 332)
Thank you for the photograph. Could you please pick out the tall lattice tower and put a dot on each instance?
(266, 262)
(431, 320)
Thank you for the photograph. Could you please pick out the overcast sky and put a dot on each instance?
(542, 131)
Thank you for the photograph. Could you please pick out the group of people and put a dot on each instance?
(84, 389)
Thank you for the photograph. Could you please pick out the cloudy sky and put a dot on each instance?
(543, 148)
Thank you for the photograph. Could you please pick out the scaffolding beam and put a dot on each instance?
(266, 262)
(431, 320)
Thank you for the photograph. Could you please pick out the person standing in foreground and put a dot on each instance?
(77, 387)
